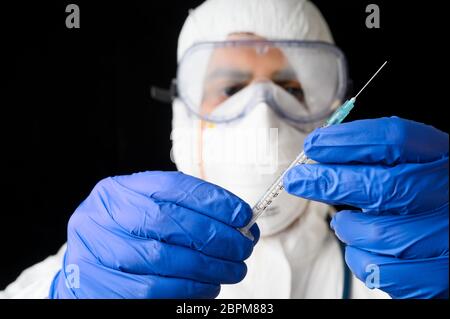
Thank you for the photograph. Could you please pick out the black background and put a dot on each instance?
(77, 108)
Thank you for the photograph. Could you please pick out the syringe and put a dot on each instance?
(277, 187)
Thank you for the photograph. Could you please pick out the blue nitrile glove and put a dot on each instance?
(154, 235)
(396, 172)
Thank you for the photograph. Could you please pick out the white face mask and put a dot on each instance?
(244, 156)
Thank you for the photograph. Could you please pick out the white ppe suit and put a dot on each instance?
(297, 255)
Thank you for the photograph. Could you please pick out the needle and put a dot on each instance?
(370, 80)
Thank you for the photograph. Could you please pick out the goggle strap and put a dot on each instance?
(164, 95)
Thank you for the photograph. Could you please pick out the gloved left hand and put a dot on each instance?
(396, 172)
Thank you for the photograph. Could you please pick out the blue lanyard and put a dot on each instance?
(346, 291)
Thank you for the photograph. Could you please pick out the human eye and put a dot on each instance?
(231, 89)
(294, 88)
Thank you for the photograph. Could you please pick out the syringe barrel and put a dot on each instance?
(274, 190)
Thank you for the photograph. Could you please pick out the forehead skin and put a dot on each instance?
(260, 65)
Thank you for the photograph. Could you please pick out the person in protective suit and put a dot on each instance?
(255, 80)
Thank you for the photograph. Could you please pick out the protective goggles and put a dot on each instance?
(303, 81)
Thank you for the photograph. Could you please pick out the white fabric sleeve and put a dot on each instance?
(360, 291)
(34, 282)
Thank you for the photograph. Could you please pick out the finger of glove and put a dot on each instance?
(98, 281)
(189, 192)
(128, 214)
(152, 257)
(405, 236)
(385, 140)
(402, 189)
(254, 230)
(416, 278)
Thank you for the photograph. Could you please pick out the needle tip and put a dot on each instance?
(370, 79)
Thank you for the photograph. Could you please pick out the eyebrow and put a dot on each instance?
(287, 74)
(234, 74)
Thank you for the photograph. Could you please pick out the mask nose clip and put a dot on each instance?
(262, 92)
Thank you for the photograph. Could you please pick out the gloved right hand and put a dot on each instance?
(154, 235)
